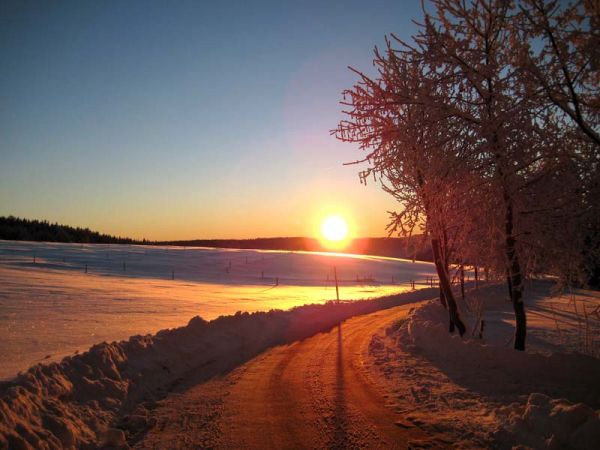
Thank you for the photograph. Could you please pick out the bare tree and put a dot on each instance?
(557, 50)
(558, 45)
(410, 148)
(477, 155)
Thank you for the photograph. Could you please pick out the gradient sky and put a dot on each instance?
(187, 119)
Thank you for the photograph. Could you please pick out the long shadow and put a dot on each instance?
(497, 372)
(340, 435)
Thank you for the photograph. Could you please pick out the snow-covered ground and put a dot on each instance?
(87, 400)
(56, 299)
(479, 392)
(444, 391)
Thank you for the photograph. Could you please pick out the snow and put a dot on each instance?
(52, 308)
(472, 392)
(75, 403)
(546, 397)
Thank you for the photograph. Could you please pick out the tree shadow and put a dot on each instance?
(340, 435)
(497, 371)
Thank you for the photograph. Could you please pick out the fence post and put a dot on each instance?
(337, 289)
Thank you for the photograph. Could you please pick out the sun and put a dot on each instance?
(334, 229)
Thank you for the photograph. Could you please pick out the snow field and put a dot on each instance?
(52, 308)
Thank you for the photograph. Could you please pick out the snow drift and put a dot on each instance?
(501, 374)
(79, 402)
(545, 423)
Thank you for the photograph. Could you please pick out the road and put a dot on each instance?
(315, 393)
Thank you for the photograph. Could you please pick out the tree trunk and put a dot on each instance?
(514, 278)
(443, 298)
(455, 319)
(462, 281)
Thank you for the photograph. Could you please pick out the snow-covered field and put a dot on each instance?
(56, 299)
(477, 392)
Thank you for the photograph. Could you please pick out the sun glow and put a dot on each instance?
(334, 231)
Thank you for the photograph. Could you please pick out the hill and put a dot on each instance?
(378, 246)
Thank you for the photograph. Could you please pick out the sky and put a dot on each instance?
(187, 119)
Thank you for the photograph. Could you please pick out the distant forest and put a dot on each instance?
(16, 229)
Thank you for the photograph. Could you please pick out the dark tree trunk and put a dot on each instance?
(445, 305)
(514, 278)
(443, 298)
(440, 266)
(509, 284)
(462, 281)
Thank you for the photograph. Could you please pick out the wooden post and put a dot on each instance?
(124, 267)
(34, 258)
(85, 267)
(337, 290)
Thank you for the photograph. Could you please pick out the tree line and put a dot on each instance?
(17, 229)
(485, 127)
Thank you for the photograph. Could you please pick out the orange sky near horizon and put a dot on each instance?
(298, 215)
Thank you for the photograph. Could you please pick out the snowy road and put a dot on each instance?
(316, 393)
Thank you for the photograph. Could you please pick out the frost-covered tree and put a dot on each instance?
(557, 50)
(462, 138)
(413, 150)
(558, 46)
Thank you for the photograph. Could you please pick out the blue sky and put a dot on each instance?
(186, 119)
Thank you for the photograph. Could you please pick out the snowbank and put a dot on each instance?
(500, 373)
(77, 402)
(544, 423)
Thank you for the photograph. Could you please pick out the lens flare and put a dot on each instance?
(334, 229)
